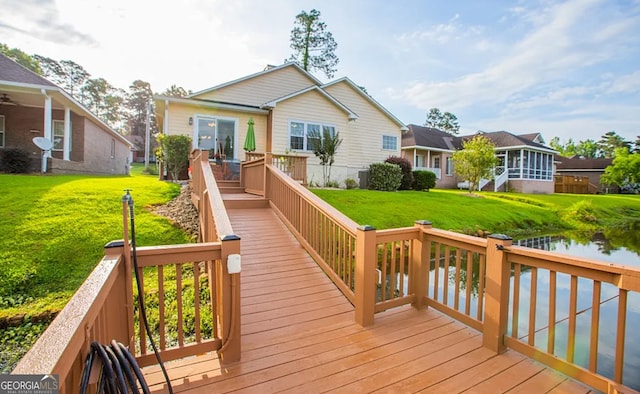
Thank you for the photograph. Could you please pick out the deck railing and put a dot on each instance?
(328, 235)
(252, 175)
(488, 284)
(215, 226)
(103, 308)
(94, 313)
(292, 165)
(591, 325)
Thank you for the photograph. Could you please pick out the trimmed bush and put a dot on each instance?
(405, 167)
(15, 161)
(424, 180)
(385, 176)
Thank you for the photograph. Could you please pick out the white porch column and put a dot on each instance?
(429, 159)
(47, 128)
(66, 154)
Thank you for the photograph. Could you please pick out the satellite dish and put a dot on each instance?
(43, 143)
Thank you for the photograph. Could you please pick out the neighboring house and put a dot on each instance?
(525, 164)
(432, 150)
(579, 167)
(287, 104)
(31, 106)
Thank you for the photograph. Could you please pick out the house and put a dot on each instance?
(430, 149)
(31, 106)
(580, 168)
(287, 105)
(525, 164)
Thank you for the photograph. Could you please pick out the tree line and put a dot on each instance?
(591, 149)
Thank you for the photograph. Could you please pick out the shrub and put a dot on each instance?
(405, 167)
(174, 153)
(424, 180)
(350, 183)
(15, 161)
(385, 176)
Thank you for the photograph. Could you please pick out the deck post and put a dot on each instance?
(268, 159)
(365, 275)
(229, 302)
(420, 264)
(496, 293)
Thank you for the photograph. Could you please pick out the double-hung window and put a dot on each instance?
(389, 142)
(302, 134)
(58, 135)
(2, 131)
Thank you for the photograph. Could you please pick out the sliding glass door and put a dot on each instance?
(217, 135)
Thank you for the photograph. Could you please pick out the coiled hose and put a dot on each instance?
(118, 370)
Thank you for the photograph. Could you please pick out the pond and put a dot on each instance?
(597, 248)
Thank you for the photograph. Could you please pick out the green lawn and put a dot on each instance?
(510, 213)
(54, 229)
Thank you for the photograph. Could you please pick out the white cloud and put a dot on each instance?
(539, 68)
(40, 19)
(629, 83)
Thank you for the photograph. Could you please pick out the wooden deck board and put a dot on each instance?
(299, 335)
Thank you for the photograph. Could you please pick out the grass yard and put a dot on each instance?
(510, 213)
(55, 228)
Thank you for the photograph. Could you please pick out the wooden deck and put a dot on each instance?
(299, 336)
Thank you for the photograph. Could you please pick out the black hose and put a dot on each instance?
(117, 361)
(143, 310)
(115, 375)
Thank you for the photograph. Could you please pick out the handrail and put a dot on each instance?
(215, 226)
(328, 235)
(500, 179)
(93, 314)
(345, 222)
(538, 262)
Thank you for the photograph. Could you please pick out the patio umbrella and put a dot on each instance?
(250, 139)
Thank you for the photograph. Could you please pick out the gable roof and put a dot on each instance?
(434, 139)
(271, 104)
(11, 71)
(535, 137)
(421, 136)
(267, 70)
(505, 139)
(370, 99)
(15, 77)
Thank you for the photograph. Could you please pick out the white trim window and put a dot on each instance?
(301, 134)
(390, 142)
(58, 135)
(2, 132)
(449, 165)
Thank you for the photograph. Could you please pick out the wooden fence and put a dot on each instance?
(574, 184)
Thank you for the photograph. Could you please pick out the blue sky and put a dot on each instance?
(569, 69)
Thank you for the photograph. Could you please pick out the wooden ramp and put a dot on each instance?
(299, 336)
